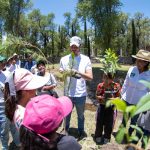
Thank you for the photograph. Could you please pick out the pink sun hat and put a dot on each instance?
(25, 80)
(45, 113)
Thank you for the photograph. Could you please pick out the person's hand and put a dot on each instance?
(44, 88)
(74, 71)
(75, 74)
(101, 99)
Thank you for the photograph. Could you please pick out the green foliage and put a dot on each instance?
(129, 112)
(120, 135)
(110, 62)
(104, 15)
(143, 104)
(119, 104)
(18, 45)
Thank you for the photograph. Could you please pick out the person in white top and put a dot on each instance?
(5, 125)
(13, 63)
(80, 68)
(132, 89)
(20, 87)
(49, 87)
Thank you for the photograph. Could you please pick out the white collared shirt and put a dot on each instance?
(132, 89)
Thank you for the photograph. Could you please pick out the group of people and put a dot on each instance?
(30, 107)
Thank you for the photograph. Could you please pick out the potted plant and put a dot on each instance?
(110, 65)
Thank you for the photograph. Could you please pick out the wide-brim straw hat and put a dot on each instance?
(142, 55)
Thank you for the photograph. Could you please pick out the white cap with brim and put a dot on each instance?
(75, 40)
(142, 55)
(15, 54)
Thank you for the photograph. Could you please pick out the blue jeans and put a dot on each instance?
(5, 127)
(79, 103)
(4, 131)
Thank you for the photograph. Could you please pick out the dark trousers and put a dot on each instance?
(133, 120)
(104, 121)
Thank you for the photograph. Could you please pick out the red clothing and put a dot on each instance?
(114, 89)
(106, 116)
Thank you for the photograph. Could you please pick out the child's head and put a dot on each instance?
(21, 85)
(107, 78)
(43, 116)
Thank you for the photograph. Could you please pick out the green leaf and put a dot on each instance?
(143, 105)
(146, 83)
(145, 140)
(138, 129)
(130, 109)
(110, 62)
(119, 104)
(133, 138)
(72, 55)
(120, 135)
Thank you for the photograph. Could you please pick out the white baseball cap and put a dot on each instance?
(75, 40)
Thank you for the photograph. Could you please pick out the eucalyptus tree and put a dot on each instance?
(71, 25)
(62, 40)
(104, 16)
(67, 23)
(14, 11)
(47, 31)
(134, 44)
(3, 11)
(83, 13)
(34, 19)
(142, 27)
(120, 42)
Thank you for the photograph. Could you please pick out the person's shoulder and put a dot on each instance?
(100, 85)
(6, 72)
(68, 142)
(133, 69)
(84, 56)
(148, 72)
(65, 57)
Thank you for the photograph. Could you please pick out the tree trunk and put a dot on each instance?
(134, 46)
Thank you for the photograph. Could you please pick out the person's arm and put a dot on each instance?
(48, 87)
(88, 75)
(53, 83)
(61, 68)
(117, 89)
(100, 94)
(125, 84)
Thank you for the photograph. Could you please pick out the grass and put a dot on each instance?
(95, 65)
(55, 69)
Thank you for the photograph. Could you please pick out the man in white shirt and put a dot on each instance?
(80, 70)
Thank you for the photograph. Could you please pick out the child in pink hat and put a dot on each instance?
(43, 116)
(20, 87)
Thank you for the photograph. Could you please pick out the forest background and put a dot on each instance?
(100, 23)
